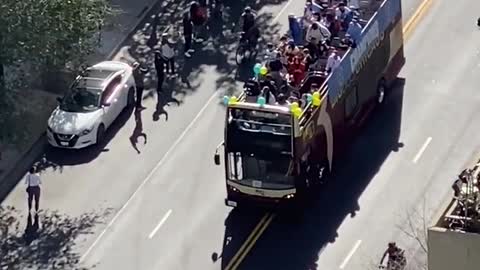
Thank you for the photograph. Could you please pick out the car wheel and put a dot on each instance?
(131, 97)
(381, 92)
(100, 133)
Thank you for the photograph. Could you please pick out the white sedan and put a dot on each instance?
(93, 102)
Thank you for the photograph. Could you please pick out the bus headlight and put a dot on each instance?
(233, 189)
(289, 196)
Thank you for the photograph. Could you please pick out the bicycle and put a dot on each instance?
(245, 50)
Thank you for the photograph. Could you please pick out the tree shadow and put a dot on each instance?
(48, 241)
(294, 242)
(217, 51)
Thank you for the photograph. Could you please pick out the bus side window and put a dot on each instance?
(351, 103)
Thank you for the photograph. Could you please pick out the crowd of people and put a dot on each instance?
(316, 43)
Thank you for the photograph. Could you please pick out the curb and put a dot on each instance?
(17, 172)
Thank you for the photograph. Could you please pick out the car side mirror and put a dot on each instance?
(106, 104)
(59, 99)
(216, 159)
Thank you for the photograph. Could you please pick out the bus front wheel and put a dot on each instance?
(381, 89)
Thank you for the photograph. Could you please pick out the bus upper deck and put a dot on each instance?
(324, 50)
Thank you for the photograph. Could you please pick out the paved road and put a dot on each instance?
(385, 177)
(173, 178)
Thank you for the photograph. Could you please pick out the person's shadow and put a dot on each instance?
(31, 231)
(164, 98)
(138, 131)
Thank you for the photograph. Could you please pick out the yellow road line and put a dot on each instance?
(267, 219)
(252, 242)
(249, 239)
(416, 18)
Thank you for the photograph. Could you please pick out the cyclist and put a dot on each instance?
(247, 19)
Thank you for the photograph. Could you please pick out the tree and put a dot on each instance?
(41, 38)
(50, 33)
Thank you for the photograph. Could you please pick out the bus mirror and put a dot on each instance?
(216, 158)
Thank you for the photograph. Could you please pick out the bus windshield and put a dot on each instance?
(260, 121)
(261, 171)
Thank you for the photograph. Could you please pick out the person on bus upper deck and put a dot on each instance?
(269, 83)
(297, 71)
(333, 61)
(270, 53)
(354, 30)
(291, 49)
(268, 95)
(342, 11)
(319, 32)
(282, 100)
(252, 87)
(282, 45)
(307, 59)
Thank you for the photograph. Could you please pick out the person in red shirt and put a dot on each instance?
(296, 70)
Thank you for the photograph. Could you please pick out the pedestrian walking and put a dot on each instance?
(33, 182)
(187, 33)
(168, 53)
(139, 72)
(160, 69)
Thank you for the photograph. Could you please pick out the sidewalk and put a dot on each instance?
(15, 162)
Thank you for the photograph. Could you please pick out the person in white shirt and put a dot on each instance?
(317, 33)
(342, 11)
(168, 53)
(333, 61)
(270, 53)
(33, 182)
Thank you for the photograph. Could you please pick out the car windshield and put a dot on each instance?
(273, 172)
(81, 100)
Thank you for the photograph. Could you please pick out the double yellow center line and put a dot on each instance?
(267, 218)
(251, 240)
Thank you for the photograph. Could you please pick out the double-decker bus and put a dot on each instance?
(272, 155)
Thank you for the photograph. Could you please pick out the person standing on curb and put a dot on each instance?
(187, 33)
(33, 182)
(168, 53)
(139, 77)
(160, 69)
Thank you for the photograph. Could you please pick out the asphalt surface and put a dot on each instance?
(380, 181)
(163, 208)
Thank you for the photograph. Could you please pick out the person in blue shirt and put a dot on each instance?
(354, 30)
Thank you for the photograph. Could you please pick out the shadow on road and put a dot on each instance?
(238, 225)
(48, 241)
(293, 243)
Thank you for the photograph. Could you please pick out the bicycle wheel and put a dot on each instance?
(240, 54)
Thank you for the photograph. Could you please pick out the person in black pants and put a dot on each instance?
(160, 69)
(187, 33)
(33, 182)
(139, 75)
